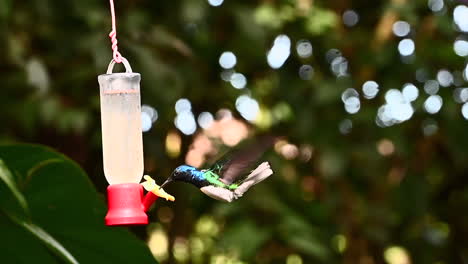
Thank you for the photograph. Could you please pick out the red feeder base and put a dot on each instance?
(125, 206)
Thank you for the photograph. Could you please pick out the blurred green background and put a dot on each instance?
(371, 174)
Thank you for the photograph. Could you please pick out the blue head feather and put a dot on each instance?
(189, 174)
(184, 168)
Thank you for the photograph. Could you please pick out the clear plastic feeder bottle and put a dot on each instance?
(122, 145)
(122, 142)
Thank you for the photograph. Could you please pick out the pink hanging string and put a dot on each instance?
(113, 36)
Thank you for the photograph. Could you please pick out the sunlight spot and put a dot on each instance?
(205, 120)
(280, 51)
(401, 28)
(445, 78)
(410, 92)
(37, 75)
(400, 111)
(289, 151)
(152, 113)
(340, 242)
(460, 14)
(350, 98)
(206, 225)
(185, 122)
(238, 80)
(267, 117)
(433, 104)
(227, 60)
(460, 47)
(224, 113)
(197, 247)
(385, 147)
(230, 130)
(306, 72)
(215, 2)
(304, 48)
(183, 105)
(435, 5)
(350, 92)
(224, 259)
(352, 105)
(247, 107)
(350, 18)
(394, 96)
(431, 87)
(149, 115)
(332, 54)
(464, 110)
(339, 66)
(145, 122)
(396, 255)
(370, 89)
(406, 47)
(200, 147)
(180, 249)
(294, 259)
(397, 108)
(279, 144)
(384, 115)
(173, 143)
(158, 243)
(380, 123)
(460, 95)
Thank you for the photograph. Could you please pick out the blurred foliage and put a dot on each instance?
(371, 195)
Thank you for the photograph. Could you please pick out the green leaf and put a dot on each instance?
(38, 232)
(47, 239)
(66, 212)
(7, 178)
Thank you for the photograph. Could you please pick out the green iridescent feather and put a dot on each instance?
(213, 179)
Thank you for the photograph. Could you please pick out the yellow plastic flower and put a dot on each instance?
(151, 186)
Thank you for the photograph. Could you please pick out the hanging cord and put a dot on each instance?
(113, 36)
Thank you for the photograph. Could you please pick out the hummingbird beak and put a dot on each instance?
(165, 183)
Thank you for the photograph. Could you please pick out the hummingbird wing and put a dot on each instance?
(231, 166)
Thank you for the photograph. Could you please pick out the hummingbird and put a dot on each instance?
(228, 178)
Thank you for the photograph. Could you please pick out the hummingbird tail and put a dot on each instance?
(262, 172)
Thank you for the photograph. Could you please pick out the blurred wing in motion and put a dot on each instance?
(231, 167)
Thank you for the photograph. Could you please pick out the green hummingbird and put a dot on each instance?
(228, 178)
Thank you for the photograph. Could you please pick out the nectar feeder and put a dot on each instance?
(122, 146)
